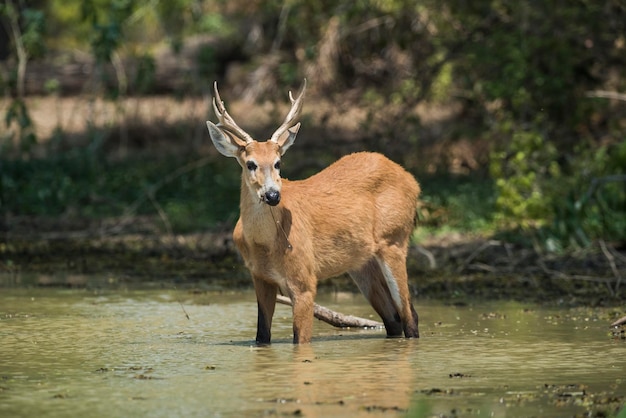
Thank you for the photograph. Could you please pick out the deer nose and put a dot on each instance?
(272, 197)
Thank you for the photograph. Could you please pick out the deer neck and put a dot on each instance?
(259, 224)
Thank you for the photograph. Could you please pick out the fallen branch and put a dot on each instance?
(619, 322)
(335, 319)
(483, 247)
(555, 274)
(606, 95)
(432, 262)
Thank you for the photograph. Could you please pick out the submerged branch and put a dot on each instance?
(335, 319)
(619, 322)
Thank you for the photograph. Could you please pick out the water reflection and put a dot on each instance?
(124, 352)
(335, 377)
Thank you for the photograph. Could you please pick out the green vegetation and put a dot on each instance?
(457, 203)
(542, 84)
(189, 194)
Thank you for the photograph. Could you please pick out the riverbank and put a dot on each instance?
(455, 267)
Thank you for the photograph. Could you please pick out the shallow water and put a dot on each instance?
(120, 352)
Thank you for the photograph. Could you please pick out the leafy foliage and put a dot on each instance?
(457, 203)
(524, 176)
(83, 185)
(594, 206)
(17, 115)
(521, 72)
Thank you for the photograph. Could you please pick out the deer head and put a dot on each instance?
(260, 161)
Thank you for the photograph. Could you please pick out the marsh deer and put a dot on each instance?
(355, 216)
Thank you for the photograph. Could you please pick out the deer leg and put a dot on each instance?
(266, 301)
(371, 282)
(303, 301)
(392, 263)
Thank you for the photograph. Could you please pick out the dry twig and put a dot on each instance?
(468, 260)
(609, 256)
(601, 94)
(150, 192)
(432, 262)
(555, 274)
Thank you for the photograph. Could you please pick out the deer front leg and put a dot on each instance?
(303, 307)
(266, 301)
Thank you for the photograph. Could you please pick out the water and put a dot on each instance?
(120, 352)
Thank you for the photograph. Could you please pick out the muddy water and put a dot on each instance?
(134, 353)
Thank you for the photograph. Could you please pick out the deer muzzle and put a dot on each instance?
(272, 197)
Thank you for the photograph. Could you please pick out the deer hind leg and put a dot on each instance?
(266, 301)
(392, 263)
(372, 283)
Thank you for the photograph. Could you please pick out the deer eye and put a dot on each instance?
(277, 165)
(251, 165)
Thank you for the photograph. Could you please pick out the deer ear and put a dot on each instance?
(224, 143)
(287, 138)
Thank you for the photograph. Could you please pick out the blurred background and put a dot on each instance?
(512, 115)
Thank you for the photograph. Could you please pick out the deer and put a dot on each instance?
(356, 216)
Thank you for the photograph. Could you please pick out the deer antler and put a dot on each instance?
(226, 122)
(292, 116)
